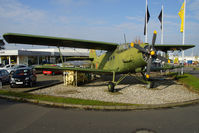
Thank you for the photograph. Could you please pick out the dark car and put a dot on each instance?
(23, 77)
(4, 76)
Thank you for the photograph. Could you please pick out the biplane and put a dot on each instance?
(118, 59)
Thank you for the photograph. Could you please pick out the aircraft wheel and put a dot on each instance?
(111, 87)
(150, 85)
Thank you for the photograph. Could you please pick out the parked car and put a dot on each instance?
(49, 72)
(23, 77)
(52, 72)
(12, 67)
(1, 65)
(4, 76)
(7, 67)
(15, 67)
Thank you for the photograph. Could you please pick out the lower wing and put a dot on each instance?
(74, 69)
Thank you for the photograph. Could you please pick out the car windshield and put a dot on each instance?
(19, 66)
(22, 72)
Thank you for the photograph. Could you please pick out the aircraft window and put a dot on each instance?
(123, 47)
(113, 57)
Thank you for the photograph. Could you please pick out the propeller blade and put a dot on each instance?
(148, 69)
(2, 43)
(137, 46)
(154, 38)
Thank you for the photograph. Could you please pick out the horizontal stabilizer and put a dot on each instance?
(171, 47)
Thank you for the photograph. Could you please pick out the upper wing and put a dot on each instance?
(57, 41)
(165, 48)
(73, 69)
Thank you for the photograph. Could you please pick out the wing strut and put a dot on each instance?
(61, 57)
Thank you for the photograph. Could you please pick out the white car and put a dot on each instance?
(11, 67)
(7, 67)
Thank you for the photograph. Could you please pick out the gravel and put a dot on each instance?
(165, 91)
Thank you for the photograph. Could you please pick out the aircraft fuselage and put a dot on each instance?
(121, 61)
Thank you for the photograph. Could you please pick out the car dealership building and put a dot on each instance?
(39, 56)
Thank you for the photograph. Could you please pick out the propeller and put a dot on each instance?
(151, 54)
(2, 44)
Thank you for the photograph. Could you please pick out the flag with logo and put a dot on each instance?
(181, 14)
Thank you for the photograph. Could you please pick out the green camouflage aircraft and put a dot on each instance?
(119, 59)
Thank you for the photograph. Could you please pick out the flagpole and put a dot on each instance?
(146, 40)
(183, 41)
(162, 39)
(183, 37)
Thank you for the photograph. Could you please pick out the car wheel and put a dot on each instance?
(31, 84)
(1, 83)
(53, 73)
(11, 73)
(12, 85)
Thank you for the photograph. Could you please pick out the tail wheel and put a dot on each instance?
(111, 87)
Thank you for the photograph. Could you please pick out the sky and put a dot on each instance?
(99, 20)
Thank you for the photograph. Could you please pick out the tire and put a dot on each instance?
(12, 85)
(11, 72)
(111, 87)
(31, 84)
(1, 83)
(53, 73)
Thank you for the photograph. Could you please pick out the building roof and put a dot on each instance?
(45, 52)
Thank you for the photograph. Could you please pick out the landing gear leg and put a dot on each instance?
(111, 85)
(150, 85)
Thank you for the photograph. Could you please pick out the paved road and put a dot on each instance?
(29, 118)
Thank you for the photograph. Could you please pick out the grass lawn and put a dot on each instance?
(60, 99)
(188, 80)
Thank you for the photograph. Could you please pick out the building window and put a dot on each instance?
(13, 59)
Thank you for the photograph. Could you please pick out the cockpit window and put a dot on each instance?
(123, 47)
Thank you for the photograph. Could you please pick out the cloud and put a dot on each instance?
(69, 3)
(167, 16)
(193, 6)
(13, 10)
(138, 18)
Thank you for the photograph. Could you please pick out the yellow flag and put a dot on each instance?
(181, 14)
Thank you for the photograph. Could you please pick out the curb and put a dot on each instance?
(108, 108)
(42, 87)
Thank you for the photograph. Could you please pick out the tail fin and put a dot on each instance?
(92, 54)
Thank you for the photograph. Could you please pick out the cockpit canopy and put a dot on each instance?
(123, 47)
